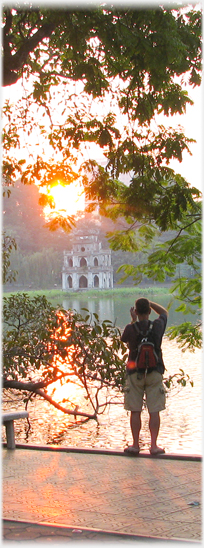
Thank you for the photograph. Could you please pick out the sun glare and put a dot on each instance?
(68, 199)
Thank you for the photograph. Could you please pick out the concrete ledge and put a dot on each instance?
(164, 456)
(85, 533)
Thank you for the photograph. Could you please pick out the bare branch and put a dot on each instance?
(32, 387)
(63, 409)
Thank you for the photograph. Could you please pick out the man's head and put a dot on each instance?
(142, 307)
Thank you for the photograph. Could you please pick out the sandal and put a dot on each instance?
(131, 450)
(157, 451)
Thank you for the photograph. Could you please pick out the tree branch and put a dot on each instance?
(12, 64)
(63, 409)
(34, 387)
(179, 233)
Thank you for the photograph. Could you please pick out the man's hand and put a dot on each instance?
(133, 314)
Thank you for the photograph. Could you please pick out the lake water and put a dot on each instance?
(117, 307)
(180, 430)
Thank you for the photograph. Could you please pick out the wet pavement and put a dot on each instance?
(51, 494)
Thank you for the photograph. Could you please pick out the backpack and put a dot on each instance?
(146, 357)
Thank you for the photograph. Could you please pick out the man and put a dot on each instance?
(140, 382)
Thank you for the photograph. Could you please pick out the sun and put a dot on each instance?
(69, 199)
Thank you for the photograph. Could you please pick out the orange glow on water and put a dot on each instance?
(68, 388)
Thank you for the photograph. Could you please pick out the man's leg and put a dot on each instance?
(155, 398)
(154, 424)
(135, 423)
(134, 392)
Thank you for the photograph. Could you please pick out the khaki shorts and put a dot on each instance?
(151, 385)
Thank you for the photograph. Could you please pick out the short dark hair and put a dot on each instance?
(142, 306)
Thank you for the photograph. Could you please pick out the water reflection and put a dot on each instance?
(116, 308)
(104, 308)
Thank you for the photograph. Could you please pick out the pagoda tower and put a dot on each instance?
(87, 265)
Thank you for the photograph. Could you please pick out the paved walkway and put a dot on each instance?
(75, 495)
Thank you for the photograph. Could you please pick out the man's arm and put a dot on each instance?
(158, 308)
